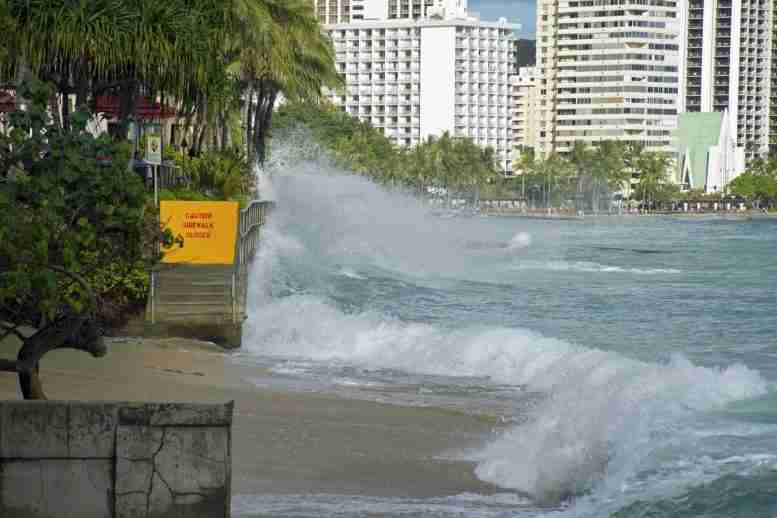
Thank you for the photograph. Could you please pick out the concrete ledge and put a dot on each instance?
(114, 459)
(226, 334)
(175, 414)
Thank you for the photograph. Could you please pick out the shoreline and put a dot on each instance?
(283, 442)
(516, 213)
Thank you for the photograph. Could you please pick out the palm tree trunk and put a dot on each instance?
(249, 121)
(262, 118)
(54, 108)
(224, 132)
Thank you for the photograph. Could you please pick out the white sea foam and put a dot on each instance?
(601, 409)
(520, 240)
(352, 275)
(590, 267)
(600, 405)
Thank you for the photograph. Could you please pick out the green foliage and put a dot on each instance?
(217, 174)
(64, 211)
(589, 174)
(205, 57)
(758, 183)
(183, 195)
(653, 170)
(120, 286)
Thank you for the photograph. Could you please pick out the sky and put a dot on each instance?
(522, 11)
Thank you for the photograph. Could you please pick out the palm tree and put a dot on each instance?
(126, 46)
(279, 49)
(653, 170)
(551, 169)
(582, 158)
(609, 171)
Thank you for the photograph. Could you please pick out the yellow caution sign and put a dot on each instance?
(208, 228)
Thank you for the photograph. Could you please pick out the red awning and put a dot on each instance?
(7, 101)
(146, 110)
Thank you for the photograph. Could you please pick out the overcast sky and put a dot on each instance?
(522, 11)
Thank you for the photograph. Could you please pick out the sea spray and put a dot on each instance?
(602, 413)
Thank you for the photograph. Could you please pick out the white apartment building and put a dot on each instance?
(728, 65)
(417, 78)
(525, 109)
(347, 11)
(609, 70)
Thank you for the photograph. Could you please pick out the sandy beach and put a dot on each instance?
(284, 443)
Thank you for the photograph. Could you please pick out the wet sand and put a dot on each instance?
(282, 442)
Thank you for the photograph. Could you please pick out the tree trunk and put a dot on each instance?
(65, 107)
(249, 135)
(224, 132)
(54, 108)
(74, 332)
(81, 83)
(200, 143)
(127, 101)
(262, 119)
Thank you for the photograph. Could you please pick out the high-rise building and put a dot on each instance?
(524, 124)
(608, 70)
(728, 65)
(333, 11)
(773, 92)
(347, 11)
(416, 78)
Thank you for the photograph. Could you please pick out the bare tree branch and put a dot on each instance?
(10, 329)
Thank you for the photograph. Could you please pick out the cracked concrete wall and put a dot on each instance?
(114, 460)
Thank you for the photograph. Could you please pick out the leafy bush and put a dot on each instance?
(222, 175)
(69, 209)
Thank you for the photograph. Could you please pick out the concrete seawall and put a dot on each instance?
(122, 460)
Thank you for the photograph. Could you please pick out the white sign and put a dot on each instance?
(154, 149)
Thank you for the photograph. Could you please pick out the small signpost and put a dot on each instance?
(153, 134)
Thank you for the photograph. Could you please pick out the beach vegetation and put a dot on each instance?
(758, 184)
(76, 234)
(590, 176)
(209, 62)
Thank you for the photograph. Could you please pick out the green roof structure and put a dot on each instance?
(697, 132)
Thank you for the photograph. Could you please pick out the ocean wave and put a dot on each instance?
(351, 275)
(590, 267)
(601, 413)
(599, 407)
(357, 506)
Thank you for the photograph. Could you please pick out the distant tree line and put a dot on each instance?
(587, 177)
(447, 165)
(758, 184)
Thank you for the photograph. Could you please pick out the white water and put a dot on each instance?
(602, 416)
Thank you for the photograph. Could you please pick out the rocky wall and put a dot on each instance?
(122, 460)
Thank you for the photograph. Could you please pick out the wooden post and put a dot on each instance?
(153, 297)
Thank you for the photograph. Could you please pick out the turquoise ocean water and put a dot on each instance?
(634, 358)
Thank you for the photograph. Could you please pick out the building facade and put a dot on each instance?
(707, 155)
(347, 11)
(418, 78)
(728, 65)
(609, 70)
(524, 124)
(773, 87)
